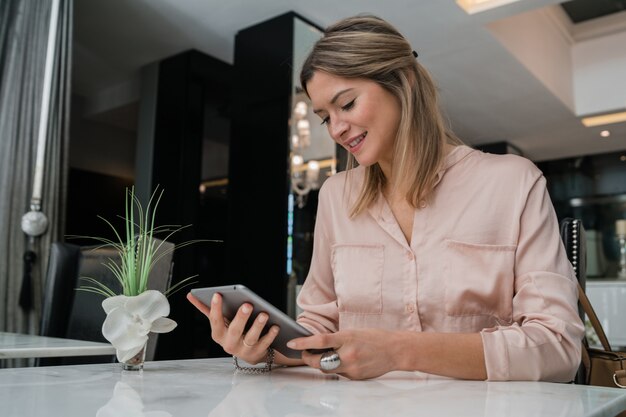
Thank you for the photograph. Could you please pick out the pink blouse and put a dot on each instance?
(485, 256)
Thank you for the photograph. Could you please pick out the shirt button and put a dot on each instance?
(410, 308)
(409, 255)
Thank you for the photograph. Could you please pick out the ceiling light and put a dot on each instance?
(477, 6)
(605, 133)
(604, 119)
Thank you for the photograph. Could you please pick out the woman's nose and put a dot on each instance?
(337, 129)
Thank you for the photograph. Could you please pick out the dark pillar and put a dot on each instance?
(174, 98)
(258, 186)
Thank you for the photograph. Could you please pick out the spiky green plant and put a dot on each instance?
(138, 250)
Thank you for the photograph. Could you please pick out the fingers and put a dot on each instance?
(238, 338)
(238, 323)
(250, 345)
(313, 347)
(198, 304)
(258, 345)
(222, 332)
(331, 357)
(318, 341)
(311, 359)
(218, 323)
(252, 336)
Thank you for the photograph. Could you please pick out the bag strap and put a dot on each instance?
(593, 318)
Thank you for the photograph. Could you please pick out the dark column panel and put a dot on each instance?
(186, 82)
(259, 158)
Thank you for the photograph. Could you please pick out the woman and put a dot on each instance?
(428, 256)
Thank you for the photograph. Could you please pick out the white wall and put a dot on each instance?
(600, 74)
(539, 43)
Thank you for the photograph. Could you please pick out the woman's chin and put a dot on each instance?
(366, 162)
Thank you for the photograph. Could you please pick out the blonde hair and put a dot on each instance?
(370, 48)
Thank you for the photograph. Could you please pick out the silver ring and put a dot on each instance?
(247, 345)
(330, 361)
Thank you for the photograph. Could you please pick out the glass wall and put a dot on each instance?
(593, 189)
(312, 160)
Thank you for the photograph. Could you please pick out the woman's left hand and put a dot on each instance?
(364, 353)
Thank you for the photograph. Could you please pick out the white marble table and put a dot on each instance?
(210, 387)
(13, 345)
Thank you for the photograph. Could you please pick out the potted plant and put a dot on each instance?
(137, 311)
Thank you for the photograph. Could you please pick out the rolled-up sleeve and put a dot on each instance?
(544, 341)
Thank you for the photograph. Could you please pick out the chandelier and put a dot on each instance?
(304, 175)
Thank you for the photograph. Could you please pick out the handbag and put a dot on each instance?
(604, 367)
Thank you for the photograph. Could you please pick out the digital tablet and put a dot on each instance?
(233, 296)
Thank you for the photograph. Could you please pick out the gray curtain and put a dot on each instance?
(24, 26)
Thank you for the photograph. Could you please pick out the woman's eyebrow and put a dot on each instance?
(334, 99)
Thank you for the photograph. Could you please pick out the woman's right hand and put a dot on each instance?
(250, 346)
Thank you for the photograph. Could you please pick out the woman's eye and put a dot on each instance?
(348, 106)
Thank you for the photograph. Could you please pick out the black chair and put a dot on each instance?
(574, 240)
(73, 314)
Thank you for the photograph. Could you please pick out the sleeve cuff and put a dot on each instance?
(496, 355)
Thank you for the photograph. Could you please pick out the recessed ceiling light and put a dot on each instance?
(604, 119)
(605, 133)
(622, 158)
(477, 6)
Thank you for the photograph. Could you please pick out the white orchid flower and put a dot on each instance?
(130, 319)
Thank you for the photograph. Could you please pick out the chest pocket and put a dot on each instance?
(358, 274)
(479, 279)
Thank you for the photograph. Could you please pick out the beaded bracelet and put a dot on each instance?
(269, 362)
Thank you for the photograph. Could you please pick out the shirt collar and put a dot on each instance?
(455, 156)
(381, 211)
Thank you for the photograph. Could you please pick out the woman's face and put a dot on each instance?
(360, 115)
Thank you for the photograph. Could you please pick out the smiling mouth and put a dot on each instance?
(357, 140)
